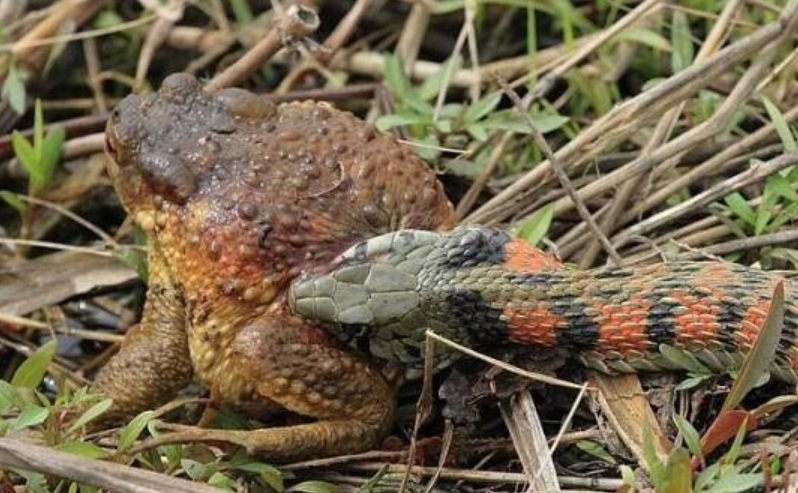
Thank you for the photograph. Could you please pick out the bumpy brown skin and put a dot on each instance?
(237, 196)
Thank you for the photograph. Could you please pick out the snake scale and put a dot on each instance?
(481, 288)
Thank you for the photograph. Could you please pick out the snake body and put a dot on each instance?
(483, 289)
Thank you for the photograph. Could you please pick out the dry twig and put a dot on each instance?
(294, 24)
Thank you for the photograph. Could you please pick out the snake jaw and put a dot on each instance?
(362, 294)
(374, 284)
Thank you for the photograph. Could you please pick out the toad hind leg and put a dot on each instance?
(297, 367)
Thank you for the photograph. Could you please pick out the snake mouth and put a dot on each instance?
(374, 283)
(363, 294)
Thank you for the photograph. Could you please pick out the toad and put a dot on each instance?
(237, 196)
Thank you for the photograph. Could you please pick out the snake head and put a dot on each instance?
(374, 282)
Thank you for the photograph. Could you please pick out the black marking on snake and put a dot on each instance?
(612, 273)
(660, 324)
(582, 332)
(466, 248)
(474, 316)
(541, 279)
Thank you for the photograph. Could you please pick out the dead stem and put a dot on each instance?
(294, 24)
(561, 175)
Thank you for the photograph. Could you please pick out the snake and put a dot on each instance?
(482, 288)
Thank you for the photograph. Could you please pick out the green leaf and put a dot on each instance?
(734, 482)
(51, 153)
(443, 125)
(765, 211)
(734, 451)
(13, 200)
(132, 430)
(269, 474)
(197, 470)
(683, 359)
(25, 153)
(703, 106)
(463, 167)
(35, 482)
(452, 111)
(428, 147)
(510, 120)
(706, 477)
(655, 466)
(83, 449)
(30, 416)
(682, 42)
(38, 128)
(374, 481)
(679, 475)
(780, 123)
(108, 19)
(597, 91)
(91, 414)
(785, 215)
(134, 259)
(691, 436)
(781, 186)
(242, 12)
(399, 85)
(740, 207)
(9, 397)
(477, 130)
(479, 109)
(762, 220)
(535, 226)
(315, 487)
(14, 89)
(646, 37)
(596, 450)
(692, 382)
(787, 254)
(628, 475)
(220, 480)
(432, 85)
(31, 372)
(87, 488)
(387, 122)
(775, 465)
(762, 353)
(395, 77)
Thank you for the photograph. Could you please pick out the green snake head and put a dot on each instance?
(374, 283)
(387, 291)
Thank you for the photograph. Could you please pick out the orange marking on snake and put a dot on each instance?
(520, 256)
(754, 319)
(700, 321)
(536, 326)
(751, 324)
(716, 271)
(622, 327)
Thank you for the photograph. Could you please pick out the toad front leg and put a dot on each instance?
(297, 367)
(153, 363)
